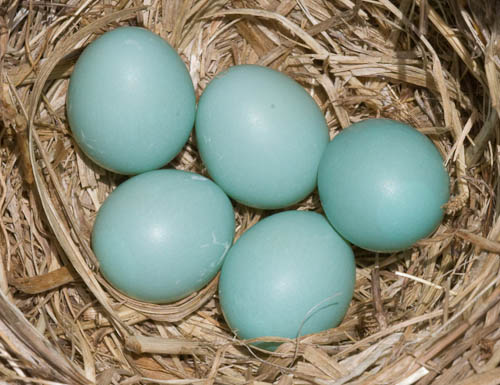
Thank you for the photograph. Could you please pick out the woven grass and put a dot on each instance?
(428, 315)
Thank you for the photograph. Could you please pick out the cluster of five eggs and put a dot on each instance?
(164, 234)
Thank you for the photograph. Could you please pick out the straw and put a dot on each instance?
(427, 315)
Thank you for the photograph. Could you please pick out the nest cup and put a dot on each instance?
(427, 315)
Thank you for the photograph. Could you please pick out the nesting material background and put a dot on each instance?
(426, 315)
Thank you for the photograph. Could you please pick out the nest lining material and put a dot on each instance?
(426, 315)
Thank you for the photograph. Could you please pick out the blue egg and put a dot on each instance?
(289, 275)
(382, 185)
(163, 234)
(261, 136)
(131, 101)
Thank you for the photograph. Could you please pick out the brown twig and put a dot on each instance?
(377, 298)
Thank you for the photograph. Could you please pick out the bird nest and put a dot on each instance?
(425, 315)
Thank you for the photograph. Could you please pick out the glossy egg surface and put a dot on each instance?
(163, 234)
(290, 274)
(130, 102)
(382, 185)
(261, 136)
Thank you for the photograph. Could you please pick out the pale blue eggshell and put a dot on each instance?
(131, 101)
(163, 234)
(261, 136)
(290, 274)
(382, 185)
